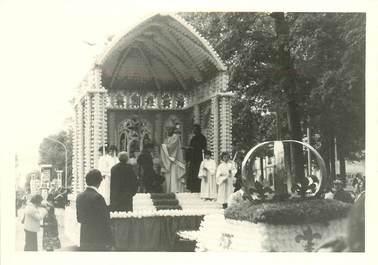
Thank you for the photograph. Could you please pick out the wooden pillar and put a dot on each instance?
(225, 124)
(98, 111)
(158, 132)
(75, 150)
(87, 134)
(196, 114)
(80, 175)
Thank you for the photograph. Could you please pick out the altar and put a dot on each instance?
(159, 74)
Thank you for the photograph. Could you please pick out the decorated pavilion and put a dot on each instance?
(160, 73)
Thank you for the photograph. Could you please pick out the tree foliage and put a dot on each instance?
(53, 153)
(327, 52)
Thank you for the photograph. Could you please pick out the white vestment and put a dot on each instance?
(225, 178)
(206, 173)
(105, 164)
(172, 164)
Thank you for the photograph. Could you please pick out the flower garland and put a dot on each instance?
(166, 213)
(295, 211)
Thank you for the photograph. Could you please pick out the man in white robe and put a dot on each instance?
(105, 164)
(172, 162)
(225, 178)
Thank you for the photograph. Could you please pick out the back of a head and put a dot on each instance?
(36, 199)
(123, 157)
(93, 177)
(207, 152)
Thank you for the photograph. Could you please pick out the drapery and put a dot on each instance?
(173, 165)
(157, 233)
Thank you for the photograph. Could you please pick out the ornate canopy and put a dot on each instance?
(159, 72)
(164, 51)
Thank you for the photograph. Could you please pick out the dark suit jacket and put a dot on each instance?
(93, 215)
(123, 186)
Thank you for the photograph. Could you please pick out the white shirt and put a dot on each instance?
(93, 188)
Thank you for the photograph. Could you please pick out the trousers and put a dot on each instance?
(31, 242)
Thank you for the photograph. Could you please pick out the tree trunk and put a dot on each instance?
(341, 156)
(262, 168)
(332, 161)
(288, 81)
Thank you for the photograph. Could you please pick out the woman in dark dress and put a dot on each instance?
(50, 230)
(198, 144)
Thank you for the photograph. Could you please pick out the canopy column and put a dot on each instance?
(99, 127)
(196, 114)
(225, 123)
(215, 138)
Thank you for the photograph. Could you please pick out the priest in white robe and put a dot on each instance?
(225, 178)
(173, 162)
(105, 164)
(206, 173)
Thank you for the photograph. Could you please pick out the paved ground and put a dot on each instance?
(20, 235)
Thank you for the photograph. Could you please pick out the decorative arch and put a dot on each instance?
(132, 133)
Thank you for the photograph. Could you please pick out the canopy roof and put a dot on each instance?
(162, 52)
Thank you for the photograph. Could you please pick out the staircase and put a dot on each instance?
(165, 201)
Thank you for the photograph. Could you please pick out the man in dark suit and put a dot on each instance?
(93, 215)
(123, 185)
(198, 144)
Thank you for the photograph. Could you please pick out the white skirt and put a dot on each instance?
(104, 189)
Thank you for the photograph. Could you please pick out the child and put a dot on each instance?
(50, 230)
(207, 175)
(225, 178)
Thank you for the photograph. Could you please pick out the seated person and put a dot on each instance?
(340, 194)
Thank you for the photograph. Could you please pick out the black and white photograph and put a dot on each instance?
(189, 131)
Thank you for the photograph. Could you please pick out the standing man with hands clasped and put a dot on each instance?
(123, 185)
(93, 215)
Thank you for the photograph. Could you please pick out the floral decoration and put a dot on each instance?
(295, 211)
(308, 236)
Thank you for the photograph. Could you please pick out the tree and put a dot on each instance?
(330, 50)
(53, 153)
(255, 47)
(309, 65)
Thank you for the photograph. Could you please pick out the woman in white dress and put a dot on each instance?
(206, 173)
(225, 178)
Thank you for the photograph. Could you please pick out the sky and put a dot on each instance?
(43, 57)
